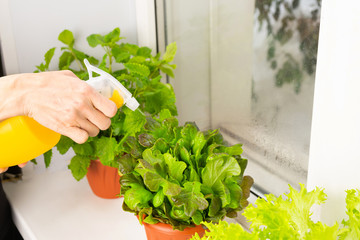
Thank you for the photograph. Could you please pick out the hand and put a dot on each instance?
(60, 101)
(69, 106)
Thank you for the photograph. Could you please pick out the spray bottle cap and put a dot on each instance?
(106, 84)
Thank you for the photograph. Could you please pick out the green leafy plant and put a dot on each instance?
(289, 218)
(225, 231)
(138, 70)
(181, 176)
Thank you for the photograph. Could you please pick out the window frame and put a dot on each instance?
(338, 22)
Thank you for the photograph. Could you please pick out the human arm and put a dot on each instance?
(59, 101)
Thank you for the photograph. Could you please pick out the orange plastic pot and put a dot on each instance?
(162, 231)
(104, 181)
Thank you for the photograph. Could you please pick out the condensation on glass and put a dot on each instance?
(248, 68)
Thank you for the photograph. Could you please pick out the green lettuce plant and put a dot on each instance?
(288, 217)
(225, 231)
(138, 70)
(182, 176)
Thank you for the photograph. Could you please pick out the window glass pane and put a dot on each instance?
(248, 68)
(285, 49)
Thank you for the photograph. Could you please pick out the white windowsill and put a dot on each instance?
(53, 205)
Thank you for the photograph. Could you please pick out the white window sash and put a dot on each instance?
(334, 160)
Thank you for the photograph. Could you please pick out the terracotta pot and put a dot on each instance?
(162, 231)
(103, 180)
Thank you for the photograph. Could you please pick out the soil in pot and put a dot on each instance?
(104, 181)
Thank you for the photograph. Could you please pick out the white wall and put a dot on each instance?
(29, 28)
(335, 140)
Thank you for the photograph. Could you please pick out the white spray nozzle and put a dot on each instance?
(107, 84)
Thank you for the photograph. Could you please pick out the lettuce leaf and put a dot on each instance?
(191, 198)
(137, 197)
(352, 225)
(225, 231)
(218, 169)
(288, 217)
(175, 168)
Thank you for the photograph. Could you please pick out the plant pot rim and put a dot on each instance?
(164, 227)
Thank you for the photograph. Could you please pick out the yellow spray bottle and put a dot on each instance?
(22, 138)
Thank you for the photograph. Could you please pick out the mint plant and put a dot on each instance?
(138, 70)
(181, 176)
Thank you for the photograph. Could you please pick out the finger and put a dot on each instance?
(22, 165)
(77, 134)
(104, 105)
(3, 170)
(97, 118)
(89, 127)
